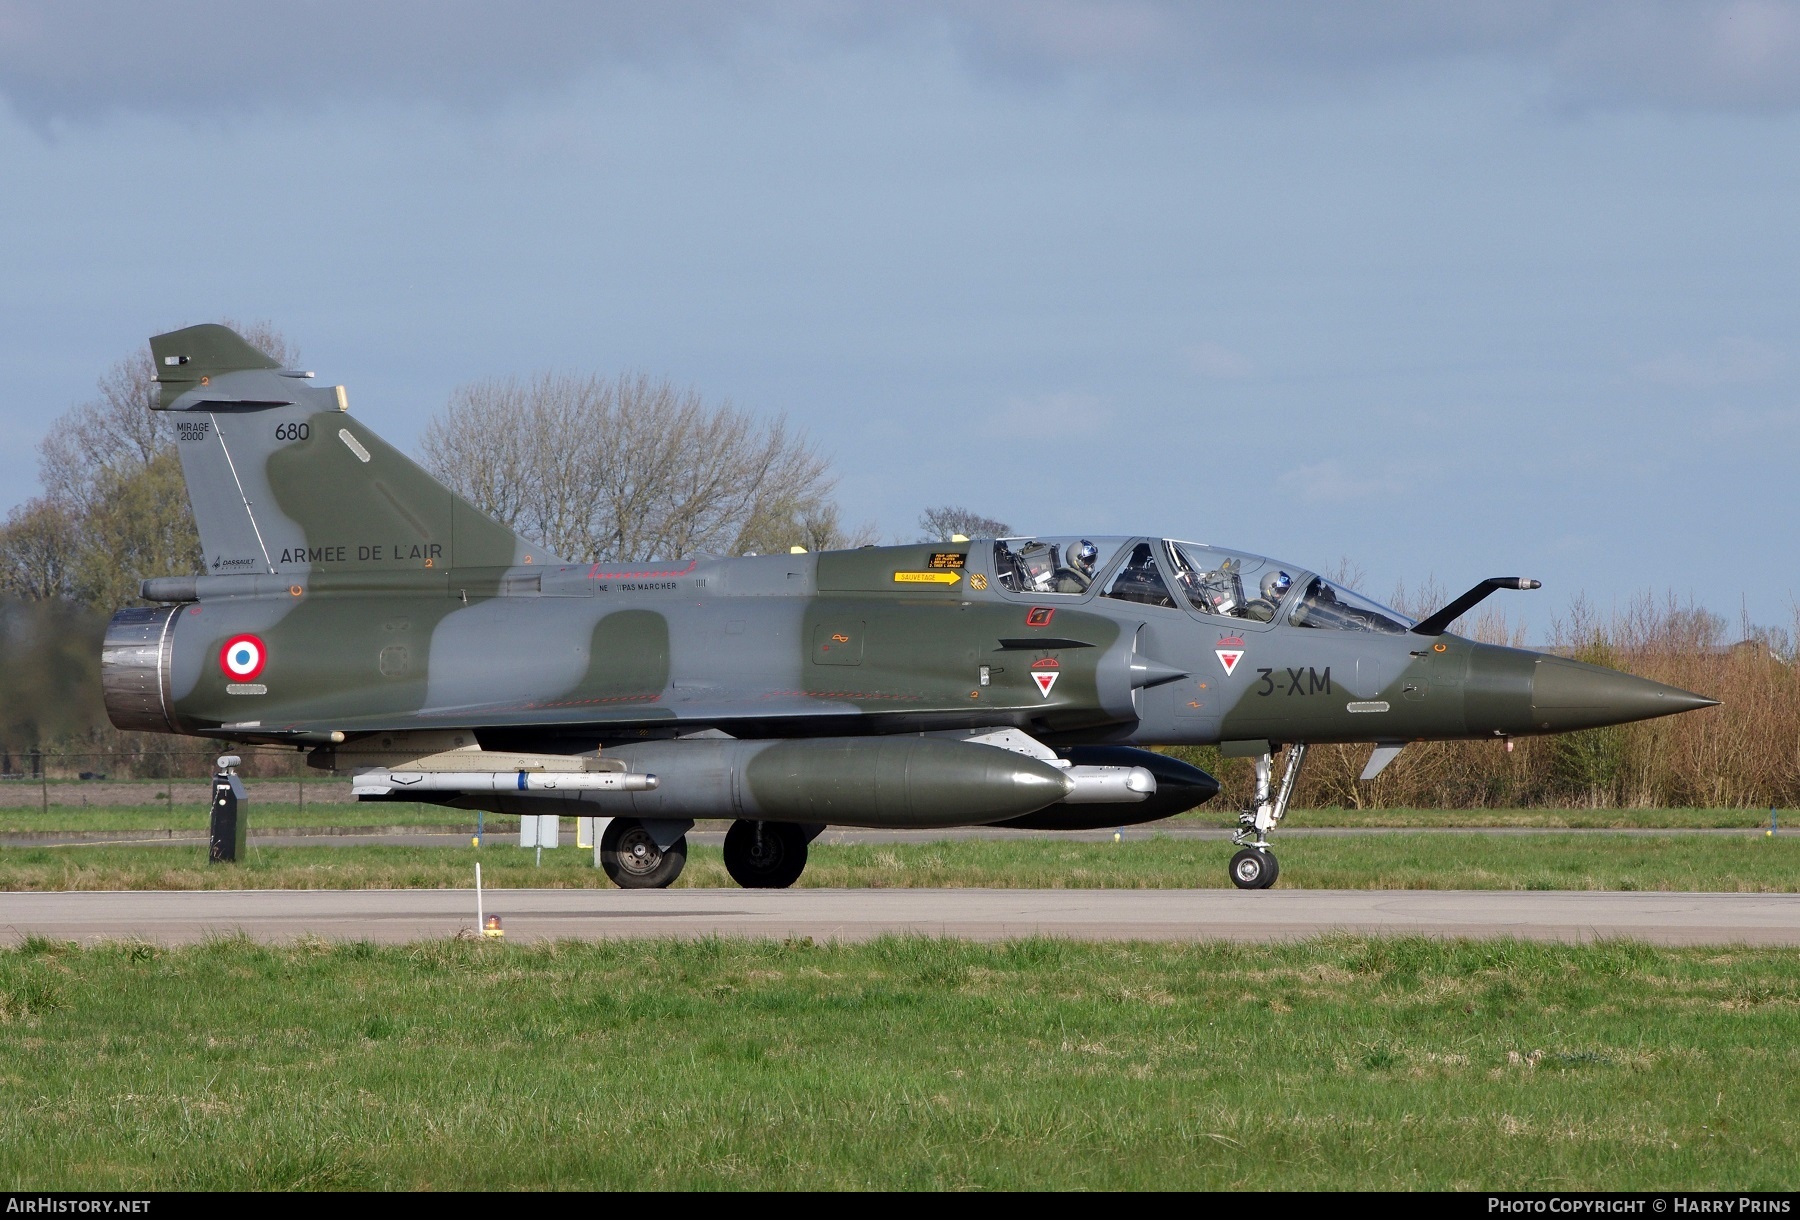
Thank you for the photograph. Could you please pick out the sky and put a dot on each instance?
(1440, 291)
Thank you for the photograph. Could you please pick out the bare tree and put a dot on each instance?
(111, 473)
(940, 523)
(37, 551)
(631, 469)
(116, 433)
(139, 524)
(816, 528)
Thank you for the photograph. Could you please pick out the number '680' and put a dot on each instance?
(292, 432)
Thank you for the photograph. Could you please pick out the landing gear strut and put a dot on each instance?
(765, 855)
(1255, 867)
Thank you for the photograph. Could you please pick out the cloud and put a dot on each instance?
(1723, 54)
(1684, 53)
(84, 57)
(1728, 362)
(1577, 544)
(1332, 482)
(1216, 360)
(1768, 430)
(63, 59)
(1051, 416)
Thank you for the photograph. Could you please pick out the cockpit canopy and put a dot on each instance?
(1052, 565)
(1324, 604)
(1192, 576)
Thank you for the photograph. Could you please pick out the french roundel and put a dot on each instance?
(242, 657)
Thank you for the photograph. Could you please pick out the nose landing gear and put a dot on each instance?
(1255, 867)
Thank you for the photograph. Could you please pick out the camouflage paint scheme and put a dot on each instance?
(382, 602)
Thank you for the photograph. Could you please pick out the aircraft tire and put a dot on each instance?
(774, 864)
(1254, 869)
(633, 861)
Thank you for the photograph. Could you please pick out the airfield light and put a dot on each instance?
(489, 924)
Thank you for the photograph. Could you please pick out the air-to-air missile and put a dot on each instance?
(355, 607)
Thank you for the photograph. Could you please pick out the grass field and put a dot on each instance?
(193, 818)
(905, 1063)
(1543, 819)
(1390, 861)
(271, 815)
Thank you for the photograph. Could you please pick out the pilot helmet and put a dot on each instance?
(1275, 585)
(1085, 555)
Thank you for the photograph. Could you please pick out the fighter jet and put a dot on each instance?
(355, 607)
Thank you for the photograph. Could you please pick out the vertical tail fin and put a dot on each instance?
(283, 481)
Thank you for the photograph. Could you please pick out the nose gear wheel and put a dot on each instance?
(1254, 868)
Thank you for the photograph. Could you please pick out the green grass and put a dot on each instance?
(287, 814)
(1396, 861)
(1543, 819)
(271, 815)
(1393, 861)
(903, 1063)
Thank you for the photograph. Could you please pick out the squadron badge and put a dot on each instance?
(1230, 651)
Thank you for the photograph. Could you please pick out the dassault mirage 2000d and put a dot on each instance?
(354, 606)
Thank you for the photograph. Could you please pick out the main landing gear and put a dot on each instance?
(765, 855)
(631, 857)
(1255, 866)
(758, 855)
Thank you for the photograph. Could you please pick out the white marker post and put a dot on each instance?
(481, 921)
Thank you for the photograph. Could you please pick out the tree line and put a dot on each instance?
(622, 469)
(1743, 754)
(626, 468)
(633, 468)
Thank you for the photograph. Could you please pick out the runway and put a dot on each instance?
(854, 915)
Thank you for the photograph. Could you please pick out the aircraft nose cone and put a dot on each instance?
(1574, 695)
